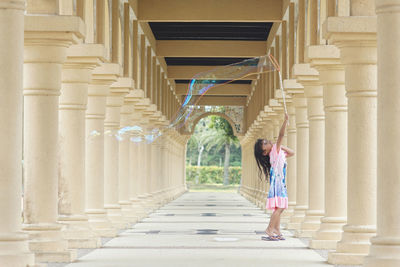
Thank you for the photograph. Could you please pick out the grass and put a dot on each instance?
(192, 187)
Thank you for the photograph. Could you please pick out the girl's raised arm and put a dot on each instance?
(281, 133)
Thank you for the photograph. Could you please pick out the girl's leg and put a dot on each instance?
(278, 221)
(272, 222)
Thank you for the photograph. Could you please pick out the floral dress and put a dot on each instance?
(277, 194)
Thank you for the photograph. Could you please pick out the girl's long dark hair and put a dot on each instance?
(263, 164)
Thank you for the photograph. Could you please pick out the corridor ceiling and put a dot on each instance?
(194, 36)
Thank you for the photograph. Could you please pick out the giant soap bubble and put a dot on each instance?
(199, 85)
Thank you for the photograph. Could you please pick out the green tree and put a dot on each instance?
(223, 138)
(199, 139)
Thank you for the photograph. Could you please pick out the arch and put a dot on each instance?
(206, 114)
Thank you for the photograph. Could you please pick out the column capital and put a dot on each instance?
(323, 55)
(106, 73)
(142, 104)
(122, 86)
(293, 88)
(350, 31)
(53, 30)
(305, 74)
(134, 96)
(102, 77)
(88, 56)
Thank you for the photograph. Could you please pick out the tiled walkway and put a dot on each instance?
(202, 229)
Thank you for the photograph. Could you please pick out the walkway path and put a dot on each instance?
(202, 229)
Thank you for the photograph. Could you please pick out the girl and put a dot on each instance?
(271, 160)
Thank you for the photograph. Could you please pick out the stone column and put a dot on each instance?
(99, 88)
(124, 182)
(134, 172)
(141, 176)
(154, 166)
(326, 59)
(291, 162)
(145, 172)
(385, 249)
(167, 167)
(313, 89)
(356, 38)
(46, 41)
(114, 102)
(76, 75)
(163, 177)
(302, 148)
(13, 243)
(159, 174)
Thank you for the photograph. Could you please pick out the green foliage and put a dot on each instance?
(213, 174)
(212, 132)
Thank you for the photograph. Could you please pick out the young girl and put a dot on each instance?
(271, 160)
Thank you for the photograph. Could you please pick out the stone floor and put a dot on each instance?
(202, 229)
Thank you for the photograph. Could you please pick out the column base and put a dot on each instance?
(151, 202)
(47, 243)
(78, 233)
(15, 251)
(144, 203)
(385, 251)
(329, 233)
(297, 218)
(100, 224)
(338, 258)
(137, 208)
(354, 246)
(285, 218)
(63, 256)
(323, 244)
(311, 223)
(114, 214)
(128, 212)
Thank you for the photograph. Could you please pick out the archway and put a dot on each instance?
(213, 154)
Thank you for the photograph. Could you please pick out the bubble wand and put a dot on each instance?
(277, 67)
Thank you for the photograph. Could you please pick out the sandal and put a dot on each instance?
(269, 238)
(280, 237)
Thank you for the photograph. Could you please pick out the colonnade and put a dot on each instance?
(64, 98)
(343, 181)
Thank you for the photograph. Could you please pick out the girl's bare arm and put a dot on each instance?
(281, 133)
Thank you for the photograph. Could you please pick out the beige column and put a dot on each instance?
(385, 249)
(134, 172)
(163, 166)
(258, 190)
(313, 90)
(134, 167)
(124, 181)
(302, 148)
(142, 177)
(146, 170)
(149, 172)
(154, 147)
(46, 41)
(76, 75)
(359, 56)
(114, 102)
(102, 77)
(158, 143)
(326, 59)
(13, 243)
(291, 162)
(264, 184)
